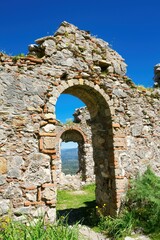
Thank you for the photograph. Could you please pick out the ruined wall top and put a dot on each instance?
(75, 50)
(157, 75)
(69, 41)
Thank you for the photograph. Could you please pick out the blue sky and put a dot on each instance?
(131, 27)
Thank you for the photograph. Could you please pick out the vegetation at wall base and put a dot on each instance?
(141, 210)
(140, 214)
(38, 230)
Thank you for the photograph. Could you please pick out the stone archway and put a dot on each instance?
(102, 140)
(85, 171)
(101, 113)
(71, 134)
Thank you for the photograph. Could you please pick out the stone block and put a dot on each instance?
(116, 125)
(45, 185)
(49, 128)
(18, 122)
(119, 142)
(53, 203)
(22, 211)
(4, 206)
(3, 165)
(136, 130)
(48, 116)
(48, 194)
(51, 213)
(49, 142)
(31, 197)
(2, 180)
(39, 212)
(14, 173)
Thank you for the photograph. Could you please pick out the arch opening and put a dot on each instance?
(85, 167)
(76, 137)
(72, 131)
(100, 123)
(65, 107)
(69, 157)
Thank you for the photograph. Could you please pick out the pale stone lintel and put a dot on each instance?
(44, 134)
(48, 116)
(28, 203)
(116, 125)
(46, 185)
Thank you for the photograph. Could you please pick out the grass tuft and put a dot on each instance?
(39, 231)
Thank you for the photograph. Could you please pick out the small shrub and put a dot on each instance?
(144, 200)
(69, 121)
(118, 227)
(17, 57)
(130, 83)
(141, 209)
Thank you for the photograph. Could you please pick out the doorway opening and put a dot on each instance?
(76, 177)
(69, 158)
(99, 107)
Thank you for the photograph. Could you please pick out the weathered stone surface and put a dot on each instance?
(48, 194)
(31, 197)
(38, 170)
(51, 213)
(49, 142)
(4, 206)
(13, 191)
(49, 116)
(137, 130)
(2, 180)
(23, 211)
(49, 128)
(157, 75)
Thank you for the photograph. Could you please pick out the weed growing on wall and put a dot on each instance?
(17, 57)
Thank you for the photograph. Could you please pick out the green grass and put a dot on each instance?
(78, 206)
(75, 199)
(39, 231)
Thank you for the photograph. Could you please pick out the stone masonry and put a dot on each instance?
(80, 132)
(157, 75)
(124, 121)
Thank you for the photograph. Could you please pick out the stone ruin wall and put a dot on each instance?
(78, 131)
(124, 120)
(82, 119)
(157, 75)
